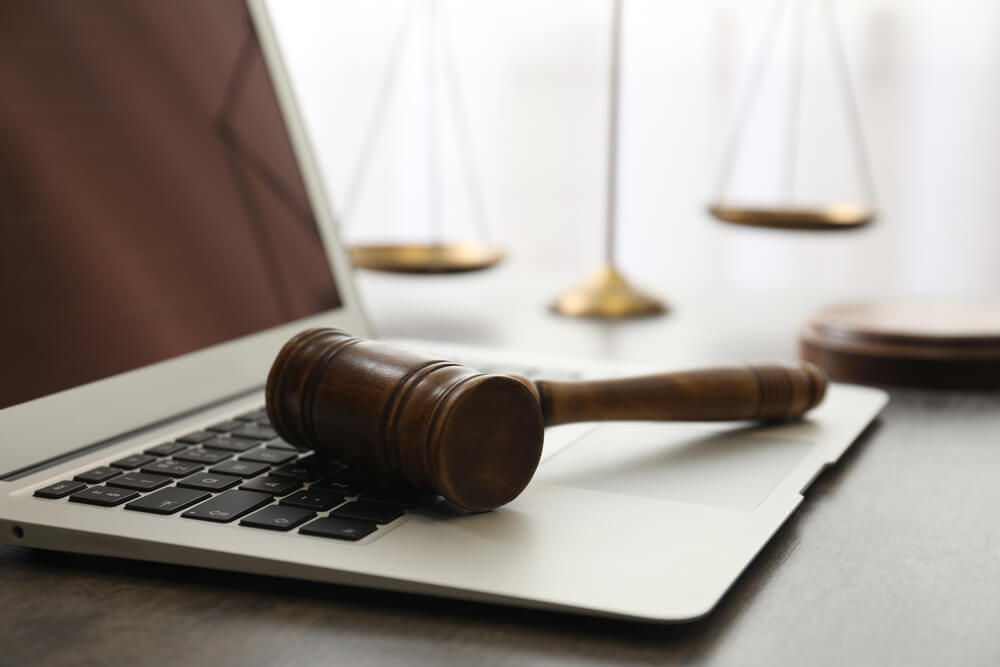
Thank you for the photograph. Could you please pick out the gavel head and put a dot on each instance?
(437, 426)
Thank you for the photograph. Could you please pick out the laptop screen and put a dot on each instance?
(150, 201)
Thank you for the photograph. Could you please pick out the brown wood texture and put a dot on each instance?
(890, 561)
(714, 394)
(437, 426)
(476, 438)
(930, 344)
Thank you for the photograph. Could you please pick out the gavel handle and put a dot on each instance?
(766, 393)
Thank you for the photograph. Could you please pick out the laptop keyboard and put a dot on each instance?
(240, 470)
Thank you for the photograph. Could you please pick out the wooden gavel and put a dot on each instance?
(476, 438)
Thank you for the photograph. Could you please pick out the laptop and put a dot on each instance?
(165, 231)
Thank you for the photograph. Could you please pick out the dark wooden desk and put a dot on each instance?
(894, 558)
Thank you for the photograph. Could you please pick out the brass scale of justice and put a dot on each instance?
(606, 294)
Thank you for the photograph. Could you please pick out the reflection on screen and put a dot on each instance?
(150, 202)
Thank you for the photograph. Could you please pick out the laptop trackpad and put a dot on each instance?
(734, 468)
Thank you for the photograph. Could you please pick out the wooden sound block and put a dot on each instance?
(912, 344)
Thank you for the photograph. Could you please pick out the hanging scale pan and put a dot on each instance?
(829, 218)
(840, 216)
(434, 256)
(447, 258)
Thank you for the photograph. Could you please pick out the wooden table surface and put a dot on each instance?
(893, 558)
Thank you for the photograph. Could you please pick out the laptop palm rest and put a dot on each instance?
(722, 467)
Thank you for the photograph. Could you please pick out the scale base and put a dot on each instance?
(607, 295)
(433, 258)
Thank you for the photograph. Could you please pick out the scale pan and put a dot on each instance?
(829, 218)
(436, 258)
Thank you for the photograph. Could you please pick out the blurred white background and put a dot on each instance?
(534, 77)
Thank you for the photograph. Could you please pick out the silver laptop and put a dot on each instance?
(165, 230)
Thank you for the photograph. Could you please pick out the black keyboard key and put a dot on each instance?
(166, 449)
(241, 468)
(345, 483)
(202, 455)
(168, 501)
(105, 496)
(60, 489)
(396, 495)
(326, 467)
(226, 426)
(305, 470)
(98, 475)
(196, 437)
(172, 468)
(273, 456)
(140, 481)
(256, 432)
(258, 415)
(369, 510)
(229, 444)
(278, 443)
(228, 506)
(314, 499)
(209, 481)
(272, 485)
(133, 462)
(341, 529)
(278, 517)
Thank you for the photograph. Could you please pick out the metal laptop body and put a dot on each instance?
(656, 529)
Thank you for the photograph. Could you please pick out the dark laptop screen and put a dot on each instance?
(150, 202)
